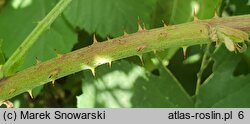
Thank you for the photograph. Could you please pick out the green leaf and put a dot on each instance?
(222, 88)
(109, 17)
(13, 32)
(180, 11)
(54, 39)
(207, 8)
(236, 7)
(129, 85)
(172, 11)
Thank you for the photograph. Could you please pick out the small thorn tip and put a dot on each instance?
(108, 38)
(215, 15)
(125, 34)
(94, 39)
(110, 64)
(30, 93)
(37, 61)
(53, 82)
(58, 54)
(93, 71)
(141, 58)
(164, 24)
(184, 52)
(139, 25)
(8, 104)
(195, 14)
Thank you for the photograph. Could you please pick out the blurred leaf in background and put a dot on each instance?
(17, 20)
(172, 12)
(235, 7)
(129, 85)
(222, 88)
(109, 17)
(24, 16)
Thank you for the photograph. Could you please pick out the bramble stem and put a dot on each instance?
(188, 34)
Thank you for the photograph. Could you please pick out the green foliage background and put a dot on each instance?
(166, 79)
